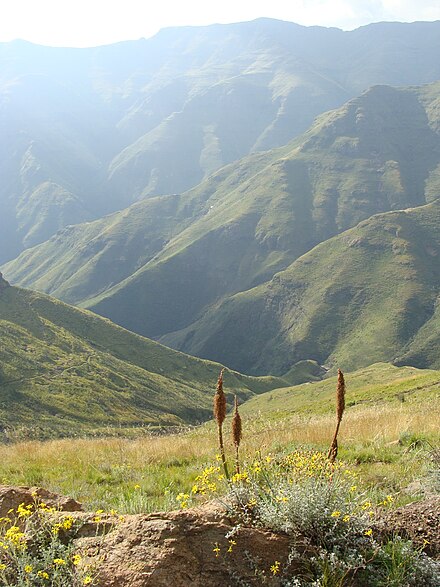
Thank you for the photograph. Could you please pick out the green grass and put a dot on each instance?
(379, 384)
(66, 372)
(385, 440)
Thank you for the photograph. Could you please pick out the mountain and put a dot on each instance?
(87, 132)
(65, 371)
(368, 295)
(172, 267)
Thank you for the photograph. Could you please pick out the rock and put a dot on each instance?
(201, 547)
(12, 497)
(179, 549)
(418, 521)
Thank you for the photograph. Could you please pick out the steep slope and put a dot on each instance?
(369, 294)
(64, 372)
(158, 266)
(86, 132)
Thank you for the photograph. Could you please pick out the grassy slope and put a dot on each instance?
(384, 439)
(247, 221)
(66, 371)
(378, 384)
(356, 299)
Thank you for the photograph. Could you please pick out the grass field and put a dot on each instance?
(385, 439)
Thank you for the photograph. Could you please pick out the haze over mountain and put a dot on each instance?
(172, 267)
(86, 132)
(66, 371)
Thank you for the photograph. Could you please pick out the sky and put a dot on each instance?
(87, 23)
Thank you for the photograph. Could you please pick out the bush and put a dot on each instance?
(321, 506)
(36, 549)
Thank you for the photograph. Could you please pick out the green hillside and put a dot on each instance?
(64, 371)
(367, 295)
(87, 132)
(173, 267)
(378, 384)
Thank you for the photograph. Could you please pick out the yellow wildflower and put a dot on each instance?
(24, 511)
(67, 523)
(275, 568)
(216, 549)
(240, 477)
(183, 499)
(28, 569)
(59, 561)
(16, 537)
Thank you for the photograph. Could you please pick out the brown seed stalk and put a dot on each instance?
(236, 434)
(220, 415)
(220, 401)
(340, 407)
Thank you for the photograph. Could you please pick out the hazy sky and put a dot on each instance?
(84, 23)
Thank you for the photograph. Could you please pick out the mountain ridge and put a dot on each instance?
(369, 294)
(86, 132)
(159, 266)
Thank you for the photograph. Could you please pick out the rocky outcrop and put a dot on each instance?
(200, 547)
(185, 548)
(12, 497)
(419, 522)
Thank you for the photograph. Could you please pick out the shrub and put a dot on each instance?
(321, 506)
(36, 549)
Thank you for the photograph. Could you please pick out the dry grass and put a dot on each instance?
(115, 471)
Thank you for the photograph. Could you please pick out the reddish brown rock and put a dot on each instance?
(419, 522)
(12, 497)
(179, 549)
(200, 547)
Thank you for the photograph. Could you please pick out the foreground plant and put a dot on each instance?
(236, 435)
(36, 549)
(340, 407)
(220, 415)
(322, 507)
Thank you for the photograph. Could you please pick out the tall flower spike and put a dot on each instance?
(236, 434)
(220, 415)
(340, 396)
(340, 407)
(220, 401)
(236, 425)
